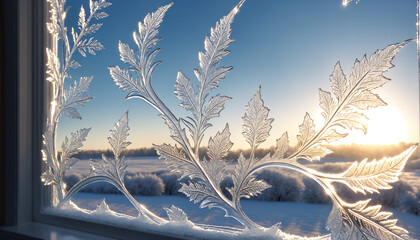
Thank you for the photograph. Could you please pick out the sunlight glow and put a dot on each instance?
(346, 2)
(385, 126)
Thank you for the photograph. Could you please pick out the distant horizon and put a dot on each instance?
(273, 146)
(348, 151)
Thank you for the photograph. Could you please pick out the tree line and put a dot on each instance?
(356, 151)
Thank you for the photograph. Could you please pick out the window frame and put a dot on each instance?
(23, 41)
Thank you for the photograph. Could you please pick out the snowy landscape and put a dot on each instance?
(294, 200)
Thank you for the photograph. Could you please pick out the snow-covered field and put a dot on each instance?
(296, 217)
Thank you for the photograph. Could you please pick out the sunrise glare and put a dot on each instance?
(385, 127)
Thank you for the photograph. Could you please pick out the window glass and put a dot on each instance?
(284, 51)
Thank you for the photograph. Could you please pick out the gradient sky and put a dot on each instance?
(287, 47)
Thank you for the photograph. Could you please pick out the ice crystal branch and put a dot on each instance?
(343, 113)
(206, 188)
(65, 100)
(177, 215)
(341, 109)
(256, 125)
(358, 221)
(374, 175)
(256, 129)
(209, 76)
(219, 145)
(113, 170)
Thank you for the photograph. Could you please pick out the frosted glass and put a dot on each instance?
(202, 172)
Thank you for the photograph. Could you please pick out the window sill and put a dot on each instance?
(44, 231)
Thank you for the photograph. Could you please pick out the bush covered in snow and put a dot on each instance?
(137, 184)
(413, 164)
(170, 180)
(333, 167)
(286, 186)
(410, 203)
(144, 184)
(403, 197)
(72, 179)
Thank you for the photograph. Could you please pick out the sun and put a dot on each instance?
(385, 126)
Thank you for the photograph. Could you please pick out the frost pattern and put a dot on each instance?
(65, 100)
(113, 170)
(341, 109)
(176, 214)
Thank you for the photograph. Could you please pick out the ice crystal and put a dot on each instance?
(342, 110)
(65, 100)
(257, 125)
(358, 221)
(375, 175)
(176, 214)
(114, 168)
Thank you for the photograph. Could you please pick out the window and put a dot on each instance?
(271, 43)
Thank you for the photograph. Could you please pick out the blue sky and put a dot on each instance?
(287, 47)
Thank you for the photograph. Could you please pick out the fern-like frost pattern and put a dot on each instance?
(66, 100)
(342, 110)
